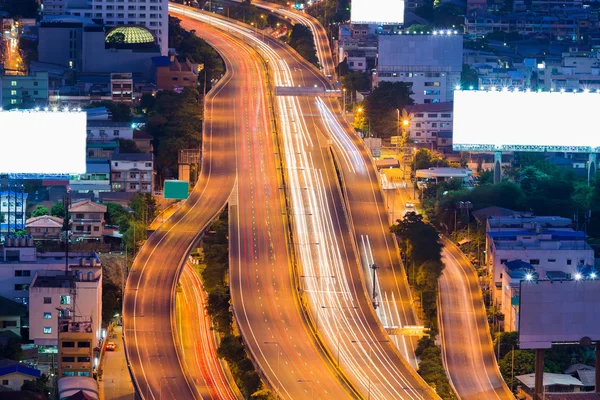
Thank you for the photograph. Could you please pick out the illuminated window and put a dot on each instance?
(13, 92)
(47, 330)
(47, 315)
(65, 299)
(70, 64)
(13, 101)
(13, 83)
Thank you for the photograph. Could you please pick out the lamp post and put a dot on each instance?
(337, 323)
(160, 383)
(370, 342)
(344, 101)
(312, 390)
(276, 344)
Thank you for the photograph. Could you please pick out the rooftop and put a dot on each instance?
(87, 206)
(130, 35)
(550, 380)
(444, 172)
(44, 221)
(132, 157)
(431, 107)
(108, 124)
(10, 367)
(11, 308)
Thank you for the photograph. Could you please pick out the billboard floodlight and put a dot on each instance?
(578, 276)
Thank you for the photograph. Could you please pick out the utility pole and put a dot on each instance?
(66, 206)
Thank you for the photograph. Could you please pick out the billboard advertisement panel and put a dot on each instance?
(380, 12)
(525, 121)
(558, 311)
(34, 142)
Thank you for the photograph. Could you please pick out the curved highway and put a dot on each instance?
(467, 346)
(355, 339)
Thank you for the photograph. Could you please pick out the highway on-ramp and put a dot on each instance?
(466, 342)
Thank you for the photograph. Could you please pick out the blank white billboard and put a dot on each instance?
(42, 142)
(558, 311)
(381, 12)
(528, 121)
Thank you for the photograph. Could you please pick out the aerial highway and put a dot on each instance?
(369, 217)
(152, 345)
(322, 236)
(466, 342)
(198, 345)
(263, 293)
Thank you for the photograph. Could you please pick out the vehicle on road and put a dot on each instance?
(111, 346)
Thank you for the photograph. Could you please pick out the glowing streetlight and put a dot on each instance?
(405, 122)
(578, 276)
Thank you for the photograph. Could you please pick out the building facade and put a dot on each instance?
(108, 130)
(44, 227)
(53, 296)
(12, 211)
(24, 91)
(171, 74)
(75, 346)
(14, 374)
(431, 123)
(132, 172)
(87, 219)
(430, 63)
(153, 14)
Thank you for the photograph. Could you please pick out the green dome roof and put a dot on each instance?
(130, 35)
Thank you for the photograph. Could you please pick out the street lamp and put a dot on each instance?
(370, 342)
(312, 391)
(160, 383)
(344, 101)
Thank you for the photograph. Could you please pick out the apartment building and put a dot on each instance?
(108, 130)
(548, 244)
(171, 74)
(24, 91)
(153, 14)
(12, 211)
(132, 172)
(430, 63)
(20, 261)
(75, 346)
(578, 70)
(431, 123)
(54, 295)
(87, 219)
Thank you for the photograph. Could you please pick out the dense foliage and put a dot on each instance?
(431, 367)
(381, 106)
(301, 39)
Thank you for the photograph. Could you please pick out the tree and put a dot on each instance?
(524, 363)
(381, 106)
(116, 38)
(529, 178)
(12, 349)
(301, 39)
(120, 112)
(469, 77)
(38, 211)
(231, 349)
(418, 28)
(40, 385)
(360, 119)
(144, 207)
(114, 211)
(218, 307)
(508, 341)
(57, 210)
(424, 158)
(128, 146)
(111, 300)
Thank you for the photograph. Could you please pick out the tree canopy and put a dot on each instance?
(301, 39)
(381, 106)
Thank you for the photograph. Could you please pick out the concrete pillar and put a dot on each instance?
(592, 166)
(497, 167)
(538, 388)
(597, 373)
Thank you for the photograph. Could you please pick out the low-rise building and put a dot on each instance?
(87, 219)
(132, 172)
(44, 227)
(172, 74)
(14, 374)
(11, 316)
(553, 383)
(431, 123)
(548, 244)
(12, 211)
(108, 130)
(20, 261)
(75, 346)
(96, 180)
(143, 141)
(53, 295)
(24, 91)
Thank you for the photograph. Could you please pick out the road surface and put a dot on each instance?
(323, 241)
(149, 303)
(199, 352)
(116, 380)
(263, 296)
(466, 342)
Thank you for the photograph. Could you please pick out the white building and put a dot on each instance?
(431, 123)
(153, 14)
(132, 172)
(52, 293)
(548, 244)
(19, 264)
(108, 130)
(431, 63)
(578, 70)
(12, 211)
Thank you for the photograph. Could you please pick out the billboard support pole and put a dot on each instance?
(592, 166)
(597, 372)
(539, 374)
(497, 167)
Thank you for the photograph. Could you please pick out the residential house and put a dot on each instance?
(172, 74)
(431, 124)
(552, 383)
(96, 180)
(143, 141)
(44, 227)
(87, 219)
(11, 314)
(98, 130)
(132, 172)
(13, 374)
